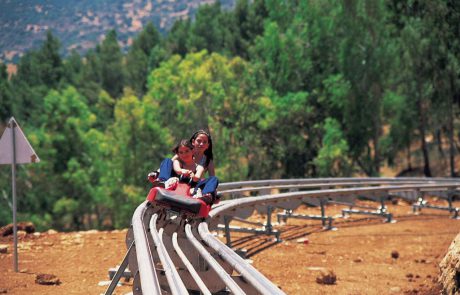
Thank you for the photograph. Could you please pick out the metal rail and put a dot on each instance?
(261, 283)
(175, 283)
(183, 256)
(221, 273)
(148, 277)
(189, 266)
(331, 181)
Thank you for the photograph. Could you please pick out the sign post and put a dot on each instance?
(15, 149)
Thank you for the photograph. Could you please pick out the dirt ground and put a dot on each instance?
(359, 252)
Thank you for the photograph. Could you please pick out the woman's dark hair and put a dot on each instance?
(182, 142)
(208, 151)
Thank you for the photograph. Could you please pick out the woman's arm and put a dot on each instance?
(211, 170)
(179, 170)
(198, 174)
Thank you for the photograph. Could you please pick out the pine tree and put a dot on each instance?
(137, 59)
(112, 71)
(5, 95)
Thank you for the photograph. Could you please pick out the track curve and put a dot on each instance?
(172, 254)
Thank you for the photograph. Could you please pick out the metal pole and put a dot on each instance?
(382, 204)
(13, 179)
(269, 226)
(119, 272)
(227, 220)
(449, 200)
(323, 212)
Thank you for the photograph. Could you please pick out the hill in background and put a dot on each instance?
(80, 25)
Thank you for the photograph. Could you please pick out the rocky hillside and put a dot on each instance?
(80, 25)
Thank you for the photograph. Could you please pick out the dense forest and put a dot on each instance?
(288, 89)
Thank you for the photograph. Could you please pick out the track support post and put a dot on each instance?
(120, 271)
(227, 220)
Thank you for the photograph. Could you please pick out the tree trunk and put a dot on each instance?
(426, 166)
(451, 143)
(409, 164)
(422, 126)
(377, 134)
(451, 128)
(439, 143)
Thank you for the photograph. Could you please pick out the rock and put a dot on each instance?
(395, 289)
(450, 269)
(319, 268)
(90, 232)
(303, 241)
(47, 279)
(358, 260)
(21, 234)
(3, 291)
(394, 254)
(326, 277)
(26, 226)
(3, 248)
(106, 283)
(51, 232)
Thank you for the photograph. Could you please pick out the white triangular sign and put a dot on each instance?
(24, 151)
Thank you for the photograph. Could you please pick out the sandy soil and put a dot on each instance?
(359, 252)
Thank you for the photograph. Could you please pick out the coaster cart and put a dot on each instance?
(179, 201)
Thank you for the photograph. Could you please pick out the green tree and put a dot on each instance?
(42, 66)
(249, 19)
(332, 159)
(290, 134)
(66, 119)
(91, 83)
(213, 92)
(73, 69)
(176, 41)
(38, 71)
(401, 112)
(27, 87)
(137, 59)
(206, 31)
(416, 76)
(158, 54)
(136, 145)
(50, 62)
(111, 65)
(5, 96)
(442, 23)
(366, 57)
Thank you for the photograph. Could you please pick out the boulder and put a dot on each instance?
(47, 279)
(26, 226)
(449, 277)
(326, 277)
